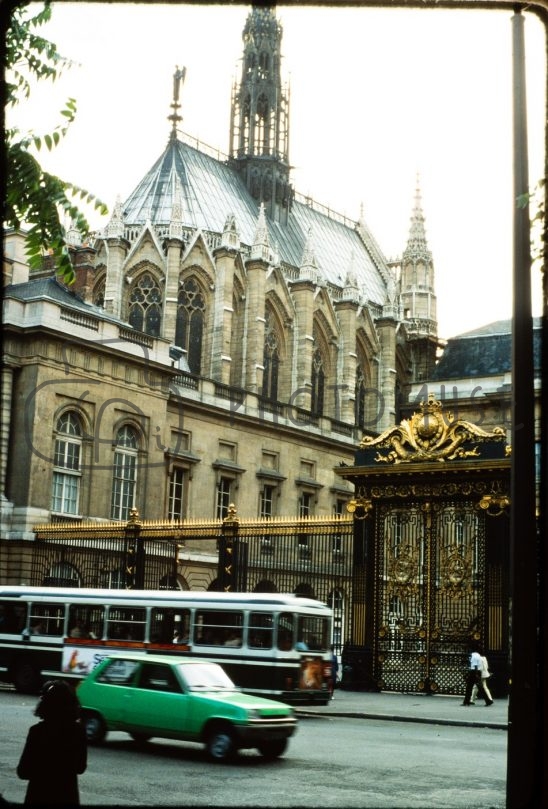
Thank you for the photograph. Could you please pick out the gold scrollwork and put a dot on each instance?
(402, 572)
(430, 436)
(495, 502)
(360, 507)
(456, 571)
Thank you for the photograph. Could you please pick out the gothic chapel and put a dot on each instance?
(226, 340)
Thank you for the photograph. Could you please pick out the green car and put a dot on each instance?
(193, 701)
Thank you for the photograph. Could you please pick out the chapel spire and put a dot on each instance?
(418, 296)
(259, 122)
(416, 244)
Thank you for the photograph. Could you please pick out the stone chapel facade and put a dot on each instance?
(226, 339)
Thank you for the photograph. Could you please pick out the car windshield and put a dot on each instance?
(208, 677)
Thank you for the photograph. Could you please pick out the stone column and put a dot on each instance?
(117, 250)
(221, 359)
(302, 292)
(346, 380)
(173, 263)
(386, 328)
(256, 286)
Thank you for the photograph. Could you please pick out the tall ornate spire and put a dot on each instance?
(416, 244)
(259, 123)
(418, 296)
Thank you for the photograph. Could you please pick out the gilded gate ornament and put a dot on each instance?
(430, 436)
(456, 571)
(402, 572)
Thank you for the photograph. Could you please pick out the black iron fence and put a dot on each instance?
(310, 557)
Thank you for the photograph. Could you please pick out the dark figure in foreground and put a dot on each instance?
(55, 751)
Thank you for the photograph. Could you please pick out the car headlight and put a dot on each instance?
(253, 713)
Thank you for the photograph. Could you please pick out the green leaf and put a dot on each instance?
(35, 198)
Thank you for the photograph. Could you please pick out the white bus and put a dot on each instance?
(269, 644)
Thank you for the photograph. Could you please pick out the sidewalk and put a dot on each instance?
(434, 709)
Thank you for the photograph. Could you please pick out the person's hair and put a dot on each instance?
(58, 703)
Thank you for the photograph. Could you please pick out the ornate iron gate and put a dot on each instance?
(431, 554)
(430, 593)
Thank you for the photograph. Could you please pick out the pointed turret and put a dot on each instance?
(417, 277)
(259, 124)
(351, 290)
(231, 234)
(309, 269)
(418, 297)
(115, 228)
(261, 243)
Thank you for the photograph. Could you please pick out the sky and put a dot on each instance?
(378, 96)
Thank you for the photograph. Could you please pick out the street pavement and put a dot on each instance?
(435, 709)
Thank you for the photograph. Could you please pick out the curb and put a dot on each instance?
(395, 718)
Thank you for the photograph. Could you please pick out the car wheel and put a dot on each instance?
(273, 749)
(220, 744)
(26, 679)
(95, 727)
(140, 738)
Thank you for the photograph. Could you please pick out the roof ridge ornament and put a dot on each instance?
(175, 118)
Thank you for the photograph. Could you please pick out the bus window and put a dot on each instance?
(169, 626)
(126, 623)
(47, 619)
(313, 633)
(218, 628)
(285, 631)
(260, 631)
(86, 621)
(13, 617)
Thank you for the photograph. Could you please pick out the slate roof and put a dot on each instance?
(485, 351)
(52, 289)
(210, 189)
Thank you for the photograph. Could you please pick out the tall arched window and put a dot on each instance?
(261, 132)
(189, 327)
(359, 401)
(124, 479)
(65, 497)
(318, 383)
(145, 306)
(271, 360)
(98, 296)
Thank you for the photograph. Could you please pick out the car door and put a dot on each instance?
(156, 705)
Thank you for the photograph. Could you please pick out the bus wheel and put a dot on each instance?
(220, 744)
(26, 679)
(273, 749)
(95, 727)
